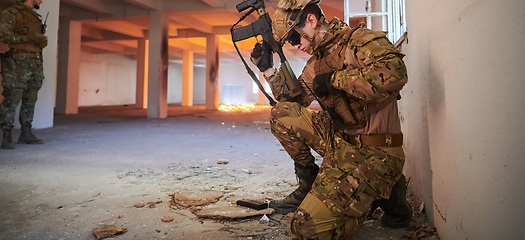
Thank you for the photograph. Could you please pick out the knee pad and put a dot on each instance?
(302, 225)
(32, 96)
(12, 98)
(286, 109)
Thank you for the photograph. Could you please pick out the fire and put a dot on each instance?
(244, 107)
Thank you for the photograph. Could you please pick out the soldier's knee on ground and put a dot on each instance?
(303, 225)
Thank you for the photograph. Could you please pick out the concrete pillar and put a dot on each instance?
(158, 65)
(141, 97)
(212, 72)
(187, 78)
(261, 99)
(68, 66)
(45, 105)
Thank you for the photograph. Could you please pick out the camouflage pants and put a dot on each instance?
(22, 77)
(350, 177)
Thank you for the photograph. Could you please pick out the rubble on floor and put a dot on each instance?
(202, 192)
(186, 198)
(230, 212)
(108, 231)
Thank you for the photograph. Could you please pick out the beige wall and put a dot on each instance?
(462, 115)
(175, 84)
(106, 79)
(46, 96)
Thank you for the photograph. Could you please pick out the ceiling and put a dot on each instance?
(113, 26)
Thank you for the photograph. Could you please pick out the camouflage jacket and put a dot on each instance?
(368, 74)
(17, 23)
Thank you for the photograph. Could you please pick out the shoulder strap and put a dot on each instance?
(19, 7)
(348, 34)
(333, 60)
(23, 9)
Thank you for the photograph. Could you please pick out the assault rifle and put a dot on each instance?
(263, 27)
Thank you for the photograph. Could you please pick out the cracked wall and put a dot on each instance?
(461, 114)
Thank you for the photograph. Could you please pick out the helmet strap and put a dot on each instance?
(311, 40)
(316, 32)
(317, 28)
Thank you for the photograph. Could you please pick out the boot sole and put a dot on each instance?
(284, 211)
(398, 225)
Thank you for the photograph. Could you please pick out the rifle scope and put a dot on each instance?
(246, 4)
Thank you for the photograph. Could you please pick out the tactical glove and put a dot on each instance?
(321, 84)
(262, 56)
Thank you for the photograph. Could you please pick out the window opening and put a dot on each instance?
(392, 13)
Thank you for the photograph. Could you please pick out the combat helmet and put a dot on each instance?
(287, 18)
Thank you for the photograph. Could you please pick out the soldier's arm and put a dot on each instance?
(276, 80)
(7, 24)
(382, 70)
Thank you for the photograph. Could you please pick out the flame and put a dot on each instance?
(244, 107)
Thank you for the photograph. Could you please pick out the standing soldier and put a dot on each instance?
(22, 71)
(356, 75)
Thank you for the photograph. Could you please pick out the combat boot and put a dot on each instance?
(7, 140)
(306, 176)
(27, 137)
(397, 210)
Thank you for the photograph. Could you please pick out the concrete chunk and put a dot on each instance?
(231, 212)
(189, 199)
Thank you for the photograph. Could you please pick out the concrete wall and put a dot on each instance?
(236, 74)
(46, 96)
(175, 84)
(106, 79)
(109, 79)
(462, 114)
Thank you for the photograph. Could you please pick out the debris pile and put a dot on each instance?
(208, 195)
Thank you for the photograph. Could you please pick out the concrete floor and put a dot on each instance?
(95, 165)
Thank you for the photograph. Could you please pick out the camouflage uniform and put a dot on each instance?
(368, 74)
(22, 67)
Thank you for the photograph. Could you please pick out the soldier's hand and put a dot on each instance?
(321, 84)
(40, 35)
(40, 39)
(262, 56)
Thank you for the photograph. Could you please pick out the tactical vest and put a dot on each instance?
(28, 22)
(354, 112)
